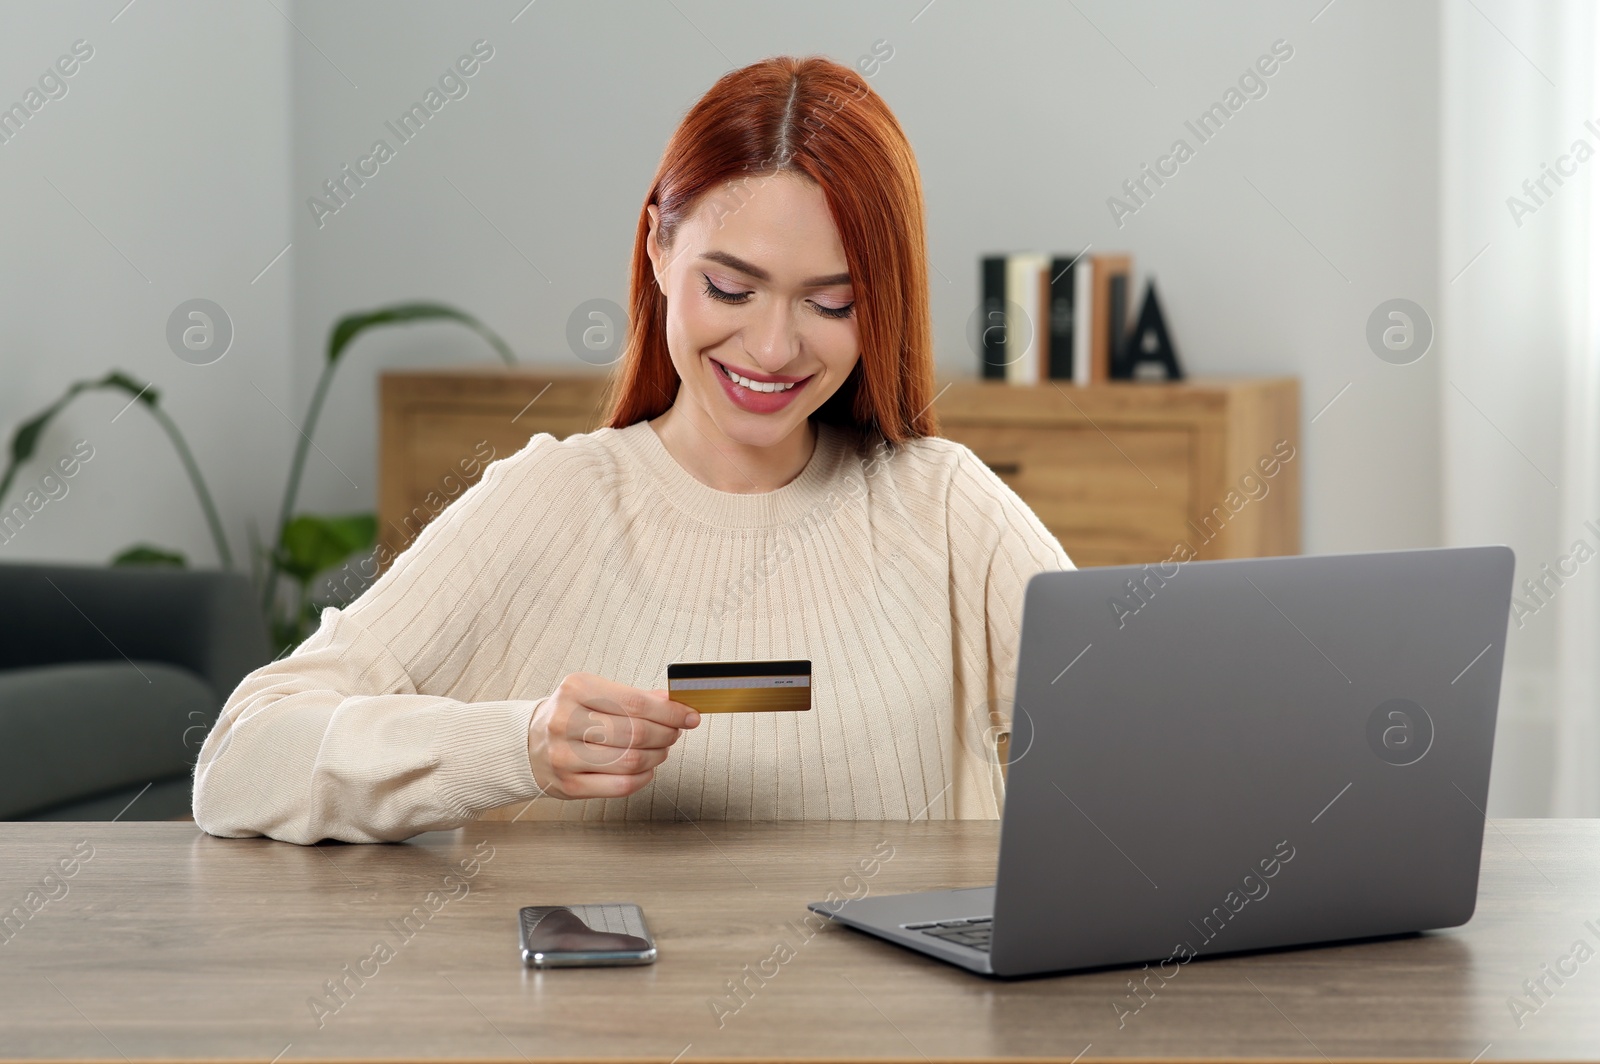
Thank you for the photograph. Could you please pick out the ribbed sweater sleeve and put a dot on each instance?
(994, 533)
(335, 742)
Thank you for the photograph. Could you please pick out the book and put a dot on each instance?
(1024, 320)
(1042, 322)
(1053, 317)
(1109, 322)
(1121, 285)
(1059, 351)
(991, 339)
(1083, 320)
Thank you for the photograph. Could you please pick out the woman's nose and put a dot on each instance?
(772, 341)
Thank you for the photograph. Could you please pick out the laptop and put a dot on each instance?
(1215, 756)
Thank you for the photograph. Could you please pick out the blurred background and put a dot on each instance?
(1405, 150)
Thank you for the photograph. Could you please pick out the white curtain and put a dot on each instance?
(1576, 781)
(1519, 367)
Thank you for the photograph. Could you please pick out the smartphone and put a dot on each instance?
(580, 936)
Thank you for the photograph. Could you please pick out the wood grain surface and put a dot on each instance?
(164, 943)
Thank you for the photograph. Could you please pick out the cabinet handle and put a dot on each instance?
(1005, 469)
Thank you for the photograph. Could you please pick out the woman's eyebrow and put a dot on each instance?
(733, 262)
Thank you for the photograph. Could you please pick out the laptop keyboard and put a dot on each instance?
(974, 932)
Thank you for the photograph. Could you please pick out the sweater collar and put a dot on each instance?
(768, 509)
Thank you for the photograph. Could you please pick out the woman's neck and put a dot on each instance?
(708, 455)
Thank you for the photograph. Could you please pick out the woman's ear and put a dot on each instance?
(652, 242)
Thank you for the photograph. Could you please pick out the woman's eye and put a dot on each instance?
(736, 298)
(727, 297)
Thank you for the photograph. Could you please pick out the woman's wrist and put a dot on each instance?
(533, 759)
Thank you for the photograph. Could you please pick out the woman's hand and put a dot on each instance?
(596, 738)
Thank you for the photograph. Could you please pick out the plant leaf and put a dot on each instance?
(145, 393)
(145, 554)
(350, 326)
(25, 440)
(310, 544)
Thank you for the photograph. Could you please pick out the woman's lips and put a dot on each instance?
(754, 402)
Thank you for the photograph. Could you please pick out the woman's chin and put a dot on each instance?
(755, 431)
(748, 427)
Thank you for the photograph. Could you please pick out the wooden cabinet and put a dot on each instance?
(438, 428)
(1121, 472)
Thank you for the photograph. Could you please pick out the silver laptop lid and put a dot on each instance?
(1226, 755)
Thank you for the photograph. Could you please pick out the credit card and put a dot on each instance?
(740, 686)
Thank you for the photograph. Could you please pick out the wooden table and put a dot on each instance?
(165, 943)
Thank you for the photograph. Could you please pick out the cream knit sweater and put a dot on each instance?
(900, 575)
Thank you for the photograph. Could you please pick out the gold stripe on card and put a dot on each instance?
(744, 699)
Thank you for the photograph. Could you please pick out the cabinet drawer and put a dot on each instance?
(1108, 502)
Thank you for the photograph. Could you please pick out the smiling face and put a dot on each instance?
(757, 286)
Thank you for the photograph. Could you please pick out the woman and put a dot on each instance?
(768, 485)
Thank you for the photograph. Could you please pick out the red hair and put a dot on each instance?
(818, 119)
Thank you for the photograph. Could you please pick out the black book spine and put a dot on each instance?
(1060, 315)
(1119, 318)
(992, 326)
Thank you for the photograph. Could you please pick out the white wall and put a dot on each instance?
(170, 153)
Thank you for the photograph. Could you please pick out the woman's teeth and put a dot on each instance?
(754, 386)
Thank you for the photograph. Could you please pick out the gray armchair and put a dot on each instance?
(109, 681)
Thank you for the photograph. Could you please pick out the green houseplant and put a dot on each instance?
(305, 545)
